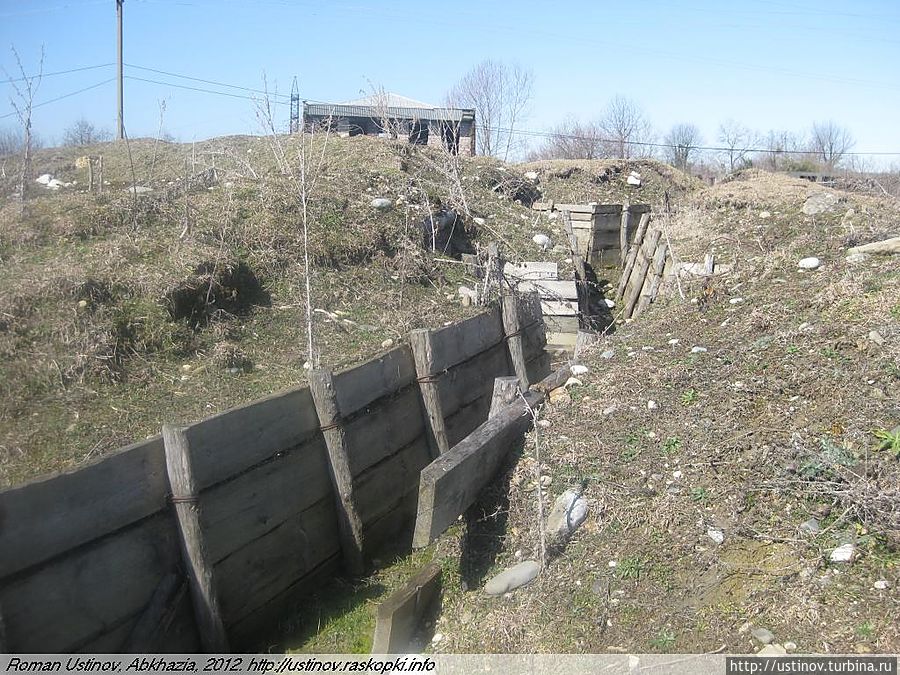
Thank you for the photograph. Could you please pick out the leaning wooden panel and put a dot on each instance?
(654, 276)
(256, 574)
(239, 511)
(397, 619)
(461, 341)
(449, 485)
(51, 515)
(79, 597)
(235, 440)
(639, 274)
(390, 425)
(357, 387)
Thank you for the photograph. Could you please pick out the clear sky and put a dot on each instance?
(769, 64)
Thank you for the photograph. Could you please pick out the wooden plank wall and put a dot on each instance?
(644, 270)
(83, 553)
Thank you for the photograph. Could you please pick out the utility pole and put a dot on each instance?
(295, 108)
(121, 119)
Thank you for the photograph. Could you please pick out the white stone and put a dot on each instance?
(437, 638)
(632, 180)
(674, 341)
(716, 535)
(881, 585)
(736, 301)
(542, 240)
(387, 344)
(875, 336)
(790, 646)
(772, 650)
(579, 369)
(479, 221)
(677, 474)
(573, 382)
(810, 263)
(139, 189)
(610, 303)
(531, 175)
(652, 405)
(698, 350)
(856, 258)
(608, 354)
(569, 512)
(843, 554)
(512, 578)
(43, 179)
(764, 214)
(543, 424)
(381, 203)
(610, 410)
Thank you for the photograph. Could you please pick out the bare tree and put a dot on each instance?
(682, 142)
(500, 95)
(737, 141)
(83, 132)
(571, 139)
(782, 147)
(12, 142)
(626, 130)
(830, 142)
(23, 103)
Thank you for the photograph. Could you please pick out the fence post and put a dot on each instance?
(420, 341)
(321, 384)
(505, 391)
(512, 328)
(196, 559)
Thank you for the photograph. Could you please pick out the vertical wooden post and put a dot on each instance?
(321, 384)
(505, 391)
(512, 327)
(90, 174)
(100, 178)
(624, 232)
(196, 559)
(420, 341)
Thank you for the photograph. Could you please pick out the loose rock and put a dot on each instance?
(772, 650)
(810, 526)
(569, 512)
(811, 263)
(843, 554)
(542, 240)
(579, 369)
(512, 578)
(857, 258)
(387, 344)
(881, 585)
(381, 203)
(573, 382)
(819, 203)
(698, 350)
(763, 635)
(716, 535)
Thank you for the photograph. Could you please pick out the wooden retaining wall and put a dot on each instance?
(203, 538)
(644, 270)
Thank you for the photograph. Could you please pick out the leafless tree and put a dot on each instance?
(11, 141)
(501, 95)
(83, 132)
(626, 130)
(737, 141)
(830, 142)
(571, 139)
(782, 147)
(25, 88)
(681, 144)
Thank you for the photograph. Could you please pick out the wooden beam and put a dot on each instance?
(636, 243)
(505, 391)
(554, 380)
(654, 278)
(531, 270)
(422, 343)
(639, 273)
(321, 384)
(398, 619)
(551, 288)
(513, 329)
(196, 560)
(450, 484)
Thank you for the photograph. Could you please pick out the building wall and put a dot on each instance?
(351, 126)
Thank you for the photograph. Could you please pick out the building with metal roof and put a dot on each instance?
(393, 116)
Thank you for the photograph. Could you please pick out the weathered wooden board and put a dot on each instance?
(467, 419)
(254, 575)
(639, 273)
(398, 618)
(580, 217)
(49, 516)
(552, 289)
(449, 485)
(382, 486)
(461, 341)
(358, 387)
(390, 425)
(78, 598)
(554, 308)
(654, 278)
(473, 379)
(233, 441)
(254, 632)
(531, 270)
(238, 512)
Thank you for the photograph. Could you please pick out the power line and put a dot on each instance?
(204, 81)
(199, 89)
(60, 98)
(58, 72)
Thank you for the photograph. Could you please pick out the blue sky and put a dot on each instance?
(769, 64)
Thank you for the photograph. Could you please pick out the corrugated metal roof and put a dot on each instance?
(343, 110)
(389, 99)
